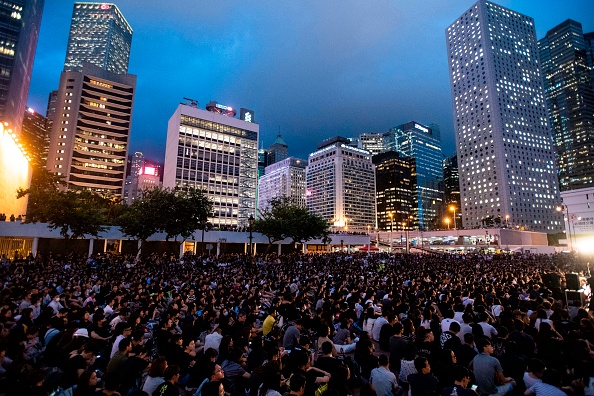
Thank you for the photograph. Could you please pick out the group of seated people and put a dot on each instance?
(298, 324)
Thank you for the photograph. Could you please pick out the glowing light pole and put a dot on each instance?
(453, 209)
(391, 215)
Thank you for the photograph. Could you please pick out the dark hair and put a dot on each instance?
(124, 343)
(171, 372)
(420, 363)
(327, 347)
(455, 327)
(481, 344)
(536, 365)
(551, 377)
(158, 367)
(383, 360)
(398, 328)
(461, 372)
(297, 382)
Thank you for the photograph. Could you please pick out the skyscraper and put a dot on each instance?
(100, 35)
(218, 154)
(570, 102)
(35, 137)
(395, 189)
(91, 129)
(504, 143)
(375, 143)
(451, 183)
(19, 29)
(424, 145)
(285, 178)
(340, 182)
(277, 151)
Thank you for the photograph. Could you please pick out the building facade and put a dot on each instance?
(375, 143)
(340, 184)
(91, 130)
(35, 137)
(277, 151)
(451, 183)
(100, 35)
(147, 177)
(20, 21)
(395, 189)
(424, 145)
(570, 101)
(218, 154)
(285, 178)
(504, 143)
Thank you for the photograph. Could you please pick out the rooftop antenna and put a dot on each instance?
(191, 102)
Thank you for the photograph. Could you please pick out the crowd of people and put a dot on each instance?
(297, 324)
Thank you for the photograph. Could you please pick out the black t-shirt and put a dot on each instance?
(447, 391)
(328, 364)
(422, 384)
(75, 363)
(166, 389)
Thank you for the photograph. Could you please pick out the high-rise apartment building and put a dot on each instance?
(277, 151)
(218, 154)
(100, 35)
(451, 183)
(285, 178)
(19, 28)
(503, 140)
(570, 101)
(340, 182)
(395, 189)
(91, 129)
(424, 145)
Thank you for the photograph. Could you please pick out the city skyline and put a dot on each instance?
(332, 71)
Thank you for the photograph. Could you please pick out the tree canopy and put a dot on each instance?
(75, 213)
(176, 212)
(285, 218)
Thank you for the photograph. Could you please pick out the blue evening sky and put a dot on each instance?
(311, 68)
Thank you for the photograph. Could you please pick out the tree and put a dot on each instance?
(176, 212)
(285, 218)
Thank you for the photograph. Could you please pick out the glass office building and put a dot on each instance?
(570, 102)
(100, 35)
(424, 145)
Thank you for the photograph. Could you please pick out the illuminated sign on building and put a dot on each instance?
(105, 6)
(308, 193)
(148, 170)
(422, 128)
(221, 109)
(246, 115)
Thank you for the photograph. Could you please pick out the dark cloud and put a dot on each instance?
(311, 68)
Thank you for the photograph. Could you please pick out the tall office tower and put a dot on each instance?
(277, 151)
(395, 189)
(424, 145)
(51, 109)
(91, 131)
(451, 182)
(19, 29)
(135, 164)
(218, 154)
(570, 102)
(262, 157)
(35, 137)
(100, 35)
(285, 178)
(503, 140)
(589, 40)
(375, 143)
(340, 182)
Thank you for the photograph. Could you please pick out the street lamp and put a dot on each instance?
(251, 223)
(453, 209)
(507, 221)
(569, 236)
(447, 220)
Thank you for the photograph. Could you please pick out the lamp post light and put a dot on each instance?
(251, 223)
(453, 209)
(567, 218)
(507, 221)
(447, 220)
